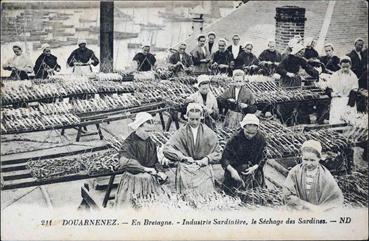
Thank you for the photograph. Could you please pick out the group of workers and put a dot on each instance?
(194, 148)
(81, 60)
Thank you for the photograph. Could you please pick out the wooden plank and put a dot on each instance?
(86, 123)
(14, 168)
(30, 183)
(91, 203)
(55, 155)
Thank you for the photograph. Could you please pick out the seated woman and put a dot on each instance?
(138, 158)
(310, 185)
(239, 99)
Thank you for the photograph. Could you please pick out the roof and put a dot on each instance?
(254, 21)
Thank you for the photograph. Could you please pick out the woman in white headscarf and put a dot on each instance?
(310, 185)
(138, 157)
(20, 64)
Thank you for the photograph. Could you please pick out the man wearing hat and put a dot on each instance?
(180, 61)
(201, 56)
(82, 58)
(206, 99)
(138, 157)
(309, 185)
(19, 65)
(194, 146)
(243, 157)
(46, 63)
(145, 60)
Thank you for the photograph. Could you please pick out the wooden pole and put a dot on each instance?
(106, 36)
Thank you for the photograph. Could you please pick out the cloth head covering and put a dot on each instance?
(250, 119)
(18, 44)
(308, 41)
(358, 39)
(212, 33)
(81, 41)
(194, 106)
(222, 40)
(312, 144)
(235, 35)
(141, 118)
(45, 46)
(200, 35)
(295, 40)
(297, 48)
(345, 58)
(249, 43)
(202, 79)
(146, 44)
(271, 41)
(329, 45)
(238, 72)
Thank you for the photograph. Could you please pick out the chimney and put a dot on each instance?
(290, 21)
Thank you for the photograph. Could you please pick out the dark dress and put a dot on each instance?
(331, 63)
(237, 60)
(135, 182)
(82, 56)
(242, 153)
(145, 62)
(311, 53)
(357, 63)
(223, 58)
(43, 63)
(292, 64)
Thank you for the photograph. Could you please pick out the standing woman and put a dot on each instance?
(310, 185)
(239, 98)
(139, 159)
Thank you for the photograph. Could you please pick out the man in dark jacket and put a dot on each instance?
(180, 60)
(222, 59)
(46, 64)
(145, 60)
(82, 58)
(243, 157)
(357, 57)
